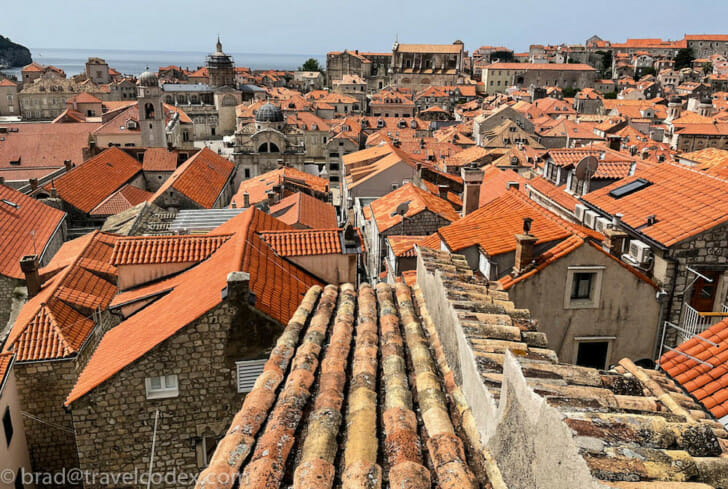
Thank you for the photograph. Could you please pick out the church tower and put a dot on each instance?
(221, 68)
(151, 111)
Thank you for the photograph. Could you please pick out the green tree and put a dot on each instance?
(311, 64)
(569, 92)
(606, 65)
(708, 68)
(610, 95)
(684, 58)
(502, 56)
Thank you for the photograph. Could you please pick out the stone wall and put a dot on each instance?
(115, 421)
(7, 285)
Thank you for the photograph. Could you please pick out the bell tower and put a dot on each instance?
(151, 111)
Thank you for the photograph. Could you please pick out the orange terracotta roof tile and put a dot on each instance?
(301, 209)
(60, 142)
(684, 202)
(543, 260)
(465, 157)
(404, 246)
(362, 165)
(6, 361)
(494, 226)
(495, 183)
(256, 187)
(56, 322)
(419, 201)
(121, 200)
(555, 194)
(202, 178)
(276, 283)
(7, 83)
(26, 226)
(708, 384)
(159, 159)
(304, 242)
(165, 249)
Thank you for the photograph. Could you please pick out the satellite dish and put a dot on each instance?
(401, 209)
(586, 168)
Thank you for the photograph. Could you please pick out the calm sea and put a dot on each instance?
(135, 62)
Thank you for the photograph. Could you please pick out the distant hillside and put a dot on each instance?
(12, 54)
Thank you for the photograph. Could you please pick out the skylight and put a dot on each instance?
(629, 188)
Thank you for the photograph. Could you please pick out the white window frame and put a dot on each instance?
(166, 391)
(594, 297)
(247, 373)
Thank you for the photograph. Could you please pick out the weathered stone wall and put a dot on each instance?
(43, 387)
(7, 285)
(706, 251)
(115, 421)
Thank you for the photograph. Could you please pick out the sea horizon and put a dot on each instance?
(135, 61)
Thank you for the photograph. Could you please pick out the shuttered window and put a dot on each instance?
(248, 372)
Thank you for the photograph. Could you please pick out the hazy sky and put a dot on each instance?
(317, 26)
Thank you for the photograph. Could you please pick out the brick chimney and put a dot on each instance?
(29, 266)
(271, 197)
(614, 237)
(472, 180)
(442, 191)
(525, 243)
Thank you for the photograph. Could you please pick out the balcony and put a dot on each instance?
(695, 322)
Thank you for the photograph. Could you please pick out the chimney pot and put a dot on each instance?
(246, 200)
(29, 266)
(524, 252)
(33, 183)
(67, 164)
(472, 180)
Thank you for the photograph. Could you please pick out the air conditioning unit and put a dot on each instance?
(590, 218)
(579, 210)
(639, 252)
(602, 223)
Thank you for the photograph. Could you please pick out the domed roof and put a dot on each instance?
(269, 113)
(148, 79)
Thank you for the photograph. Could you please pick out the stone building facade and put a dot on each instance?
(42, 388)
(497, 77)
(202, 356)
(417, 66)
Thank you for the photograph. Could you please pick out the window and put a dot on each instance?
(247, 173)
(162, 387)
(629, 188)
(583, 287)
(593, 352)
(8, 425)
(247, 373)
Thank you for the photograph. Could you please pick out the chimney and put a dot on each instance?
(514, 185)
(442, 191)
(33, 183)
(271, 197)
(238, 289)
(524, 247)
(29, 265)
(2, 180)
(67, 164)
(54, 193)
(246, 200)
(280, 163)
(614, 237)
(472, 180)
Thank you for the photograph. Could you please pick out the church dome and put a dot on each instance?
(148, 79)
(269, 113)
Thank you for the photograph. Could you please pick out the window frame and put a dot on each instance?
(165, 392)
(593, 302)
(609, 340)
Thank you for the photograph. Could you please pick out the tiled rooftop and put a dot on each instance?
(404, 246)
(159, 159)
(125, 198)
(292, 179)
(684, 202)
(707, 382)
(300, 242)
(364, 389)
(56, 322)
(25, 229)
(202, 178)
(90, 183)
(383, 209)
(303, 210)
(166, 249)
(277, 284)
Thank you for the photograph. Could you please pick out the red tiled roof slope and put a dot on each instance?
(25, 230)
(165, 249)
(87, 185)
(302, 242)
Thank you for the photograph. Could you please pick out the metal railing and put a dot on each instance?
(695, 322)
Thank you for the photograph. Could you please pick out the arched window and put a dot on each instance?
(149, 110)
